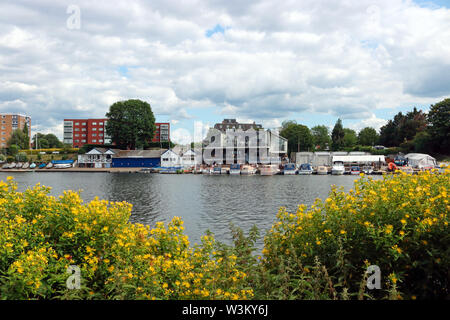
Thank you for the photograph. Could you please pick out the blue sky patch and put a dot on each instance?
(217, 29)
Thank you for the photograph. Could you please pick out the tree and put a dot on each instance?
(18, 138)
(26, 136)
(439, 126)
(47, 141)
(403, 127)
(350, 138)
(337, 136)
(422, 142)
(368, 137)
(321, 137)
(299, 136)
(130, 124)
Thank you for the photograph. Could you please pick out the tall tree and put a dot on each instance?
(337, 136)
(321, 137)
(299, 136)
(26, 136)
(368, 137)
(439, 126)
(130, 123)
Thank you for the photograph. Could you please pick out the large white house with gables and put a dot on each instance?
(97, 158)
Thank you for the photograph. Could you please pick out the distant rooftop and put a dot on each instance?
(233, 124)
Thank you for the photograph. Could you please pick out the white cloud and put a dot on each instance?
(341, 58)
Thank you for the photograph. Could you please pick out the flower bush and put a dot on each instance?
(41, 236)
(399, 223)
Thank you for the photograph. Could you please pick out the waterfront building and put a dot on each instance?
(97, 158)
(11, 122)
(188, 159)
(170, 159)
(137, 158)
(233, 142)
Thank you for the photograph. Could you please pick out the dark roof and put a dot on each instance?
(140, 153)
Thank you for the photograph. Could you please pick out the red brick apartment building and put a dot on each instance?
(79, 132)
(11, 122)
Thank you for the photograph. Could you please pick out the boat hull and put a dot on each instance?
(305, 172)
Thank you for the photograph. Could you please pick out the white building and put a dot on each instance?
(188, 159)
(170, 159)
(97, 158)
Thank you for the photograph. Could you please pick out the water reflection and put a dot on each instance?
(203, 202)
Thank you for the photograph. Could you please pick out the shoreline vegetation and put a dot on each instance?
(398, 223)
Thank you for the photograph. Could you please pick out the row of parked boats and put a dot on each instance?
(338, 168)
(27, 165)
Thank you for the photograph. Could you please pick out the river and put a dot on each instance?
(203, 202)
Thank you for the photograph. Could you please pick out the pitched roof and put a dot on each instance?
(140, 153)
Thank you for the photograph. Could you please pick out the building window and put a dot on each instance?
(94, 134)
(94, 129)
(100, 123)
(101, 129)
(77, 135)
(100, 140)
(77, 129)
(94, 140)
(83, 129)
(77, 123)
(84, 140)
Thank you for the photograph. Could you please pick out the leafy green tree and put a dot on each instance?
(422, 142)
(53, 141)
(368, 137)
(337, 136)
(13, 149)
(350, 138)
(321, 137)
(439, 126)
(299, 136)
(130, 124)
(403, 127)
(18, 138)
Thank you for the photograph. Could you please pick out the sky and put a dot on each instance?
(312, 61)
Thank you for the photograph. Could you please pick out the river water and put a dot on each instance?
(203, 202)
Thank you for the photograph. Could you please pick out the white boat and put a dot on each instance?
(235, 169)
(269, 170)
(322, 170)
(33, 165)
(62, 165)
(49, 165)
(289, 169)
(367, 169)
(305, 168)
(74, 164)
(5, 166)
(206, 171)
(216, 170)
(224, 170)
(19, 165)
(338, 168)
(12, 165)
(25, 165)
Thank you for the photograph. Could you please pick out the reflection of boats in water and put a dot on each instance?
(322, 170)
(338, 168)
(248, 170)
(289, 169)
(269, 170)
(305, 168)
(235, 169)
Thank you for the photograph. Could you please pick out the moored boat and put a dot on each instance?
(235, 169)
(269, 170)
(355, 170)
(224, 170)
(322, 170)
(248, 170)
(216, 170)
(19, 165)
(26, 165)
(305, 169)
(5, 166)
(33, 165)
(367, 169)
(289, 169)
(42, 165)
(338, 168)
(49, 165)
